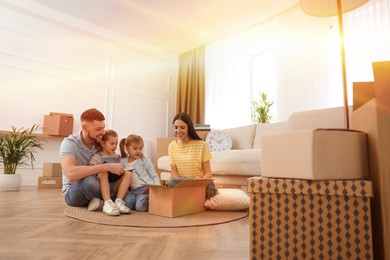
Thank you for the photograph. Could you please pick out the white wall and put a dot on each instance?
(50, 62)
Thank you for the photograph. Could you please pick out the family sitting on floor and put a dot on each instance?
(94, 175)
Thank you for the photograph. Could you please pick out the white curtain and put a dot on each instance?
(367, 38)
(227, 96)
(307, 61)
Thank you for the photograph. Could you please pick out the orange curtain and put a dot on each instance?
(191, 85)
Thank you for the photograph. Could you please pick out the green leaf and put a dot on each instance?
(260, 109)
(19, 147)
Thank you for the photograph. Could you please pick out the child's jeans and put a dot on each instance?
(137, 201)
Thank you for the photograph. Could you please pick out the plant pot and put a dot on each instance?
(10, 182)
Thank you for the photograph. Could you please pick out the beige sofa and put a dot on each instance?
(232, 168)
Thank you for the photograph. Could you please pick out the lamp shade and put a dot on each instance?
(324, 8)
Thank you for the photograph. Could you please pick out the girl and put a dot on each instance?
(117, 184)
(142, 169)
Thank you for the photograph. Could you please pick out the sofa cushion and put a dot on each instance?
(244, 162)
(242, 136)
(163, 163)
(269, 129)
(228, 199)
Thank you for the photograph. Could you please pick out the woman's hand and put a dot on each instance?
(174, 172)
(207, 170)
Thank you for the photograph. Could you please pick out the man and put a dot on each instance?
(80, 183)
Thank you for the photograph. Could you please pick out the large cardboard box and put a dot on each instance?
(49, 182)
(317, 154)
(305, 219)
(58, 124)
(52, 170)
(185, 198)
(362, 93)
(373, 117)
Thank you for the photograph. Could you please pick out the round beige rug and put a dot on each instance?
(146, 220)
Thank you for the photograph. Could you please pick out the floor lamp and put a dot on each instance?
(326, 8)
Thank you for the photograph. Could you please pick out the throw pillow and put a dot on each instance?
(268, 129)
(242, 136)
(228, 199)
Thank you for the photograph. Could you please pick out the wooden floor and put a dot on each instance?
(33, 226)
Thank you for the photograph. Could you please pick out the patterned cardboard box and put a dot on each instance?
(307, 219)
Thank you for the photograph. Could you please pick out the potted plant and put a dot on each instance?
(17, 148)
(260, 109)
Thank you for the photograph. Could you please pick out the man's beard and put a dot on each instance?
(92, 138)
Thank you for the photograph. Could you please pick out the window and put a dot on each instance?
(298, 65)
(263, 78)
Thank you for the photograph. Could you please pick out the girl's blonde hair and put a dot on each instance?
(126, 142)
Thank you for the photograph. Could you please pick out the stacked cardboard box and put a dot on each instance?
(306, 219)
(315, 154)
(58, 124)
(51, 176)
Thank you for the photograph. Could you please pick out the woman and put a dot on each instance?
(189, 154)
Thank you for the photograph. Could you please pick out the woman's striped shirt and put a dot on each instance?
(189, 158)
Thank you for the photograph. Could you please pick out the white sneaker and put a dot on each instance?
(120, 204)
(95, 204)
(110, 208)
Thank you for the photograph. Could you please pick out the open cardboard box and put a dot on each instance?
(185, 198)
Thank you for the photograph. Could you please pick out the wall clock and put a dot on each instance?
(219, 140)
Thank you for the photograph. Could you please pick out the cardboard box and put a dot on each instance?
(305, 219)
(49, 182)
(162, 146)
(317, 154)
(203, 133)
(185, 198)
(58, 124)
(362, 93)
(52, 170)
(373, 117)
(381, 71)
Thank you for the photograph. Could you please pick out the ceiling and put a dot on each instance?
(176, 26)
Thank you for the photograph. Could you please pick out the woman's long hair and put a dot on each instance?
(187, 120)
